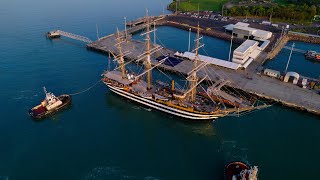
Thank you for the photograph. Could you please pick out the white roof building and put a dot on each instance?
(210, 60)
(248, 49)
(243, 30)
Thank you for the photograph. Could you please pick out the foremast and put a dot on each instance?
(120, 58)
(148, 52)
(193, 76)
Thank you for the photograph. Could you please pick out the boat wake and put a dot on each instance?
(147, 109)
(25, 95)
(4, 177)
(233, 152)
(151, 178)
(112, 172)
(108, 172)
(136, 107)
(139, 108)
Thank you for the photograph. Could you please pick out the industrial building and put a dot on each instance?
(246, 53)
(210, 60)
(242, 30)
(250, 49)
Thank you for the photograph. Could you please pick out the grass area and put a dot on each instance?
(204, 5)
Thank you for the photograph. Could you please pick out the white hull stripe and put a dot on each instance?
(162, 107)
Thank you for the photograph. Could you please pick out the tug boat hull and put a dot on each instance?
(233, 170)
(40, 112)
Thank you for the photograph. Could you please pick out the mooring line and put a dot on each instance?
(86, 89)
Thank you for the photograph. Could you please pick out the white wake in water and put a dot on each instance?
(112, 172)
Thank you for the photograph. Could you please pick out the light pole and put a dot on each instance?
(189, 39)
(162, 7)
(154, 33)
(230, 48)
(125, 26)
(222, 10)
(97, 31)
(176, 7)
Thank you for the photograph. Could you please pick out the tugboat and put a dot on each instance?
(53, 34)
(240, 171)
(50, 105)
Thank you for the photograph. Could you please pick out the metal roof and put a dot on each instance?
(211, 60)
(245, 46)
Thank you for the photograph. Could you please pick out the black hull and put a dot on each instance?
(53, 37)
(66, 101)
(166, 114)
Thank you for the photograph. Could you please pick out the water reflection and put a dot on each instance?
(131, 110)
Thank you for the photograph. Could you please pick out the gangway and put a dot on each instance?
(73, 36)
(295, 49)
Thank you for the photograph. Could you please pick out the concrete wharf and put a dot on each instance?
(285, 93)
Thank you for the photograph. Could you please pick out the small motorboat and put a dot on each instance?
(50, 105)
(312, 55)
(240, 171)
(53, 34)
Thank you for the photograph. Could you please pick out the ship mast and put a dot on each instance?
(148, 52)
(193, 77)
(120, 57)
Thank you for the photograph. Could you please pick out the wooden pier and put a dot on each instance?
(287, 94)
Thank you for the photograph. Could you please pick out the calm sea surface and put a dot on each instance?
(103, 136)
(298, 63)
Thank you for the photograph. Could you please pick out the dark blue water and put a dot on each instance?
(103, 136)
(298, 63)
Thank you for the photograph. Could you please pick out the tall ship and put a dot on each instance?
(197, 102)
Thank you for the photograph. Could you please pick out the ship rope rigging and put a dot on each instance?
(189, 99)
(203, 65)
(220, 76)
(204, 68)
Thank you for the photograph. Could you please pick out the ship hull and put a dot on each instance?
(166, 109)
(41, 112)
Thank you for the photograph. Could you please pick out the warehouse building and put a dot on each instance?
(246, 53)
(242, 30)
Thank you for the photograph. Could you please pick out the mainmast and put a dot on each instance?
(120, 57)
(193, 77)
(148, 52)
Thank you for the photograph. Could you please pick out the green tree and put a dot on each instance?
(260, 11)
